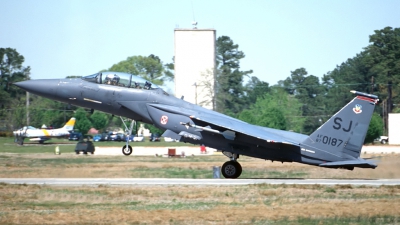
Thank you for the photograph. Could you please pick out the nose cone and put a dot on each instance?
(44, 87)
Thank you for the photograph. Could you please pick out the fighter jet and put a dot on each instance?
(336, 144)
(42, 135)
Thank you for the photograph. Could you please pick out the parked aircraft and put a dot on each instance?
(336, 144)
(42, 135)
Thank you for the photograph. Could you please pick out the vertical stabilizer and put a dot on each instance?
(344, 133)
(70, 124)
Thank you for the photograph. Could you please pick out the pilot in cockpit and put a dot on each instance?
(136, 85)
(147, 85)
(112, 79)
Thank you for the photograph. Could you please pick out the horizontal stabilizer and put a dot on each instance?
(362, 163)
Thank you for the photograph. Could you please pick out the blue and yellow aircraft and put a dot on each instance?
(42, 135)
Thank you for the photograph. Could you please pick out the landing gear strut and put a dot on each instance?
(127, 149)
(231, 169)
(19, 139)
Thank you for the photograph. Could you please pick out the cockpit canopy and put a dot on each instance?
(29, 128)
(120, 79)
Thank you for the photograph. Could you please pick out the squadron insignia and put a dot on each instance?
(357, 109)
(164, 120)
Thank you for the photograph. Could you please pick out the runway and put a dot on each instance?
(195, 182)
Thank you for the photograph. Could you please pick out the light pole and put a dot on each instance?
(195, 92)
(27, 109)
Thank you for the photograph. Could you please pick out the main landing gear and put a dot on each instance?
(231, 169)
(20, 135)
(19, 139)
(127, 149)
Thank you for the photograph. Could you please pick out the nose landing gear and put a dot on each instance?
(127, 149)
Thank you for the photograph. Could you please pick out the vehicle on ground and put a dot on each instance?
(168, 139)
(117, 137)
(130, 137)
(97, 137)
(138, 137)
(155, 137)
(121, 136)
(85, 146)
(75, 136)
(383, 139)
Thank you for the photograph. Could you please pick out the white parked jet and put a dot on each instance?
(41, 135)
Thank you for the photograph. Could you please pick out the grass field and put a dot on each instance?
(8, 145)
(252, 204)
(249, 204)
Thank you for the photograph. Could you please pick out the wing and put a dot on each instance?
(211, 121)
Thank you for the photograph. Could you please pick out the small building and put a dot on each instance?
(394, 128)
(195, 64)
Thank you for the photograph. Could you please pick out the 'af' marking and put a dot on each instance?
(338, 124)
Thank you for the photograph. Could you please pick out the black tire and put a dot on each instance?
(127, 151)
(231, 169)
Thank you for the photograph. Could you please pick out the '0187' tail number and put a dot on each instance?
(328, 140)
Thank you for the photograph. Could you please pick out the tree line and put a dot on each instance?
(301, 102)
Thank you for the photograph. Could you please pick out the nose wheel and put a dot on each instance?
(231, 169)
(127, 149)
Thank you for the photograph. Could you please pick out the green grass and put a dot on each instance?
(7, 145)
(26, 164)
(82, 159)
(178, 205)
(17, 201)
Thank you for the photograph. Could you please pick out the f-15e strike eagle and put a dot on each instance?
(336, 144)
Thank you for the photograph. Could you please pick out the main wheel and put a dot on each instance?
(127, 151)
(231, 169)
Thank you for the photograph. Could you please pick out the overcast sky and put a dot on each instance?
(81, 37)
